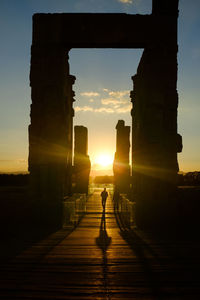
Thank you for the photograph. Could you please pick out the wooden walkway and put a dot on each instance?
(98, 261)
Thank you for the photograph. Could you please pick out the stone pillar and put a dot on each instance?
(155, 141)
(165, 7)
(50, 131)
(121, 167)
(81, 160)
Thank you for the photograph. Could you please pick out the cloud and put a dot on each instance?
(96, 110)
(119, 94)
(118, 101)
(105, 109)
(110, 101)
(90, 94)
(124, 109)
(115, 102)
(108, 110)
(83, 108)
(126, 1)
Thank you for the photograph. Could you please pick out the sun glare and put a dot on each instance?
(104, 160)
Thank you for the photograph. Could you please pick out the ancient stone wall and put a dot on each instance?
(155, 101)
(155, 141)
(121, 167)
(50, 131)
(81, 159)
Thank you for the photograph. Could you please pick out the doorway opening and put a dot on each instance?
(102, 93)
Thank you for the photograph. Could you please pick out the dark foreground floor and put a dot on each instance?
(98, 261)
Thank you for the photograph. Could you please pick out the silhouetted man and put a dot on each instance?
(104, 196)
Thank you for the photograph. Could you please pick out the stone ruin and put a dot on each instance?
(155, 100)
(121, 166)
(155, 142)
(82, 163)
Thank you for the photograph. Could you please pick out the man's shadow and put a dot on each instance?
(103, 240)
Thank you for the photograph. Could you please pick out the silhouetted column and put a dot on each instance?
(165, 7)
(121, 167)
(155, 141)
(50, 131)
(81, 159)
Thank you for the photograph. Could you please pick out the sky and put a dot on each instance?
(103, 79)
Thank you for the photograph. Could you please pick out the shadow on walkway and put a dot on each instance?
(146, 257)
(103, 241)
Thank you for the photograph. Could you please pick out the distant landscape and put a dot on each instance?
(96, 176)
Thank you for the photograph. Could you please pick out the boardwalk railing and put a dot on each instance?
(74, 208)
(125, 210)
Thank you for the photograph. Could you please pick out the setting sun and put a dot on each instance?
(104, 160)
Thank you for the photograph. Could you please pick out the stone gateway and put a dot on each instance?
(155, 100)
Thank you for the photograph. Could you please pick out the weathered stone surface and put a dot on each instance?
(108, 30)
(81, 159)
(155, 101)
(121, 167)
(50, 132)
(155, 142)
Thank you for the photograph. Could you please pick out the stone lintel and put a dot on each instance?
(84, 30)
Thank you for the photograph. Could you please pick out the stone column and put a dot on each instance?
(155, 141)
(50, 131)
(121, 167)
(81, 160)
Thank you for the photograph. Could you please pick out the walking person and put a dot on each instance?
(104, 196)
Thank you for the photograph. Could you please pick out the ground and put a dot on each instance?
(98, 260)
